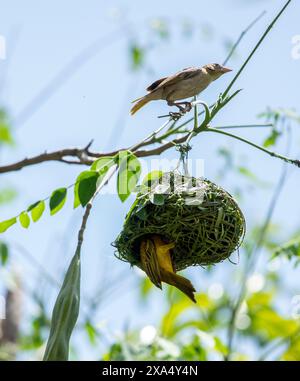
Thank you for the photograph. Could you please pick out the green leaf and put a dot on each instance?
(24, 220)
(3, 253)
(57, 200)
(290, 250)
(220, 346)
(91, 332)
(145, 287)
(103, 164)
(137, 55)
(271, 140)
(32, 206)
(85, 187)
(5, 134)
(128, 174)
(168, 323)
(4, 225)
(65, 314)
(293, 351)
(37, 210)
(152, 177)
(270, 325)
(157, 199)
(252, 176)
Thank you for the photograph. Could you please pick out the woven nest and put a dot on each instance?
(201, 218)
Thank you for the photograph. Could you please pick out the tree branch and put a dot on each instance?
(82, 156)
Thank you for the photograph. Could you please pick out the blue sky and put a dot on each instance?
(42, 37)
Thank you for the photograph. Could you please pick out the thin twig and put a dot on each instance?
(242, 35)
(271, 153)
(244, 126)
(255, 48)
(235, 46)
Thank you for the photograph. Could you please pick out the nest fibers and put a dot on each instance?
(201, 218)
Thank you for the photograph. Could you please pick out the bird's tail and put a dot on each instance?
(140, 102)
(179, 282)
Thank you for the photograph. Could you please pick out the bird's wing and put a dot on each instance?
(150, 262)
(154, 85)
(184, 74)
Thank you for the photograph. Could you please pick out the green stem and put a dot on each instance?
(195, 114)
(244, 126)
(256, 47)
(271, 153)
(242, 35)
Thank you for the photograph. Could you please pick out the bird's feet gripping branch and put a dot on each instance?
(173, 115)
(187, 106)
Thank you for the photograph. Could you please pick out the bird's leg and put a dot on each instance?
(187, 106)
(171, 103)
(176, 115)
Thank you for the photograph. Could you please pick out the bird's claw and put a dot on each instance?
(176, 115)
(188, 107)
(173, 115)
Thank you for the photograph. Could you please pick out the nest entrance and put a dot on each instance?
(201, 218)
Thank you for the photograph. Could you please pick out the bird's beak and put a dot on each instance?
(226, 69)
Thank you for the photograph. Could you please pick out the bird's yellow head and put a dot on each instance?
(215, 70)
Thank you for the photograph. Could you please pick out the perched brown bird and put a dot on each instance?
(157, 263)
(184, 84)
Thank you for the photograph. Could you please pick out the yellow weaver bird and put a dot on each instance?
(157, 263)
(185, 84)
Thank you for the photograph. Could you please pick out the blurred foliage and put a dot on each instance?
(290, 250)
(37, 332)
(7, 195)
(280, 119)
(5, 128)
(137, 56)
(4, 253)
(198, 332)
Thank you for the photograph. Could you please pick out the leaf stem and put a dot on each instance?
(271, 153)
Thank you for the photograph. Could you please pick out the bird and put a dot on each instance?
(185, 84)
(156, 261)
